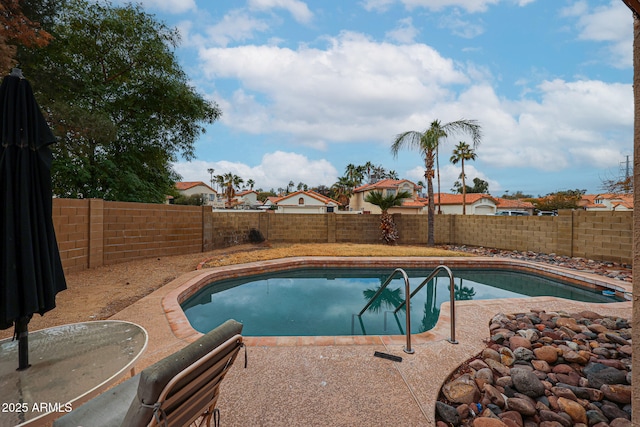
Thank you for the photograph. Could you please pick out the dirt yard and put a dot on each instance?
(99, 293)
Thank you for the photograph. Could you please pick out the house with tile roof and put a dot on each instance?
(247, 199)
(412, 205)
(304, 202)
(607, 202)
(192, 188)
(476, 203)
(514, 205)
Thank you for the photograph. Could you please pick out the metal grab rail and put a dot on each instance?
(452, 298)
(408, 348)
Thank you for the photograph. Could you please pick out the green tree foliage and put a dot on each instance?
(516, 196)
(387, 225)
(264, 195)
(118, 100)
(561, 200)
(193, 200)
(479, 186)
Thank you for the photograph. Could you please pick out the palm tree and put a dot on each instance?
(355, 174)
(377, 173)
(461, 153)
(211, 171)
(219, 181)
(387, 226)
(231, 182)
(427, 143)
(251, 183)
(342, 190)
(368, 167)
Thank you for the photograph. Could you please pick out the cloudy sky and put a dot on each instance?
(307, 87)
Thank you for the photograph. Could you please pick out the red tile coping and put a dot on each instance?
(189, 284)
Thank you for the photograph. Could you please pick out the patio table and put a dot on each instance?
(69, 365)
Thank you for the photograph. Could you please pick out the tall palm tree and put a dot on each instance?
(219, 181)
(355, 174)
(211, 171)
(231, 182)
(251, 183)
(368, 167)
(459, 126)
(427, 144)
(387, 226)
(461, 153)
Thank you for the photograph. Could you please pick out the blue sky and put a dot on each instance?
(307, 87)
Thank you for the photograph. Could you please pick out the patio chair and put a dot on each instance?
(179, 390)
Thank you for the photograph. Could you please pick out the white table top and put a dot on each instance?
(69, 365)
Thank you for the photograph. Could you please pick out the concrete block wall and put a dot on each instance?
(92, 233)
(71, 223)
(603, 235)
(225, 229)
(357, 228)
(520, 233)
(143, 230)
(298, 228)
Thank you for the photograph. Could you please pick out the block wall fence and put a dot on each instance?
(93, 232)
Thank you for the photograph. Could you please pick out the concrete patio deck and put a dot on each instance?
(337, 381)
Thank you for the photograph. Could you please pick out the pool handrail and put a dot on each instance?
(407, 288)
(452, 298)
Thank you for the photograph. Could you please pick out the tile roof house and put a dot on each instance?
(514, 205)
(413, 205)
(247, 199)
(607, 202)
(476, 203)
(191, 188)
(304, 202)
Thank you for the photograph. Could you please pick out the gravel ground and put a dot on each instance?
(608, 269)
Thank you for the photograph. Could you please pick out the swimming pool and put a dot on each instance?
(322, 301)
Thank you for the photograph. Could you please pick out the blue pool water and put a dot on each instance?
(314, 302)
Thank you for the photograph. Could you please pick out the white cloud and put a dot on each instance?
(572, 121)
(461, 27)
(471, 6)
(355, 89)
(236, 26)
(299, 10)
(274, 171)
(611, 24)
(405, 32)
(377, 5)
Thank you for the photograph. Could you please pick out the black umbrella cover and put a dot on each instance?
(30, 269)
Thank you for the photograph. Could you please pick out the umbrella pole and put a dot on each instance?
(22, 334)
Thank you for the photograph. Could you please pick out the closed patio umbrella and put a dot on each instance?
(30, 269)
